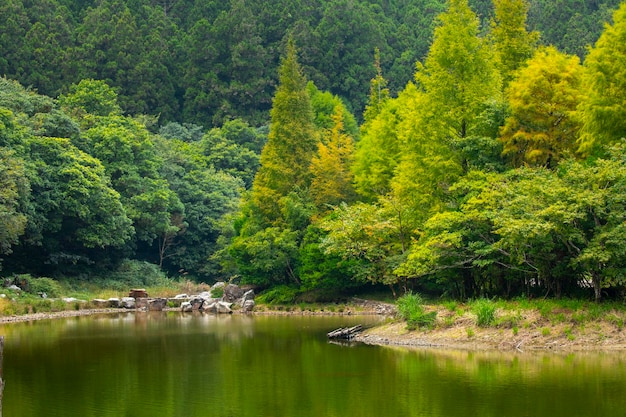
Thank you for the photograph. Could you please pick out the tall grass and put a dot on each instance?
(411, 309)
(485, 311)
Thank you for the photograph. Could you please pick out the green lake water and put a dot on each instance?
(171, 365)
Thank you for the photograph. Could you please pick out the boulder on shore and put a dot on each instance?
(127, 302)
(232, 293)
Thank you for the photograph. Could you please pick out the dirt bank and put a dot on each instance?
(530, 332)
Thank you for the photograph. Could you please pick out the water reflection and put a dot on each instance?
(204, 365)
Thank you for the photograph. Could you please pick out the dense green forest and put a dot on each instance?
(207, 61)
(464, 149)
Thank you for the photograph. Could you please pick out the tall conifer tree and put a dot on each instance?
(292, 141)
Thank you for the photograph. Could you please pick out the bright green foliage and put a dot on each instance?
(602, 112)
(379, 93)
(91, 97)
(541, 129)
(331, 181)
(410, 308)
(267, 257)
(291, 142)
(374, 237)
(379, 150)
(459, 74)
(485, 311)
(324, 105)
(513, 43)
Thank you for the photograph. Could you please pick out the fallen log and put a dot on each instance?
(345, 332)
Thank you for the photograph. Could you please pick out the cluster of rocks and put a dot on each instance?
(221, 299)
(208, 301)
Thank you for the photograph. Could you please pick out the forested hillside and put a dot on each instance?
(207, 61)
(318, 147)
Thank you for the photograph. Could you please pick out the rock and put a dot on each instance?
(42, 294)
(14, 287)
(186, 307)
(128, 302)
(210, 307)
(248, 306)
(196, 302)
(248, 295)
(223, 307)
(114, 302)
(181, 296)
(232, 293)
(73, 300)
(100, 303)
(138, 293)
(205, 295)
(157, 304)
(141, 304)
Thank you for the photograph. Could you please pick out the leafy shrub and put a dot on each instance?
(282, 294)
(411, 310)
(217, 292)
(485, 311)
(48, 286)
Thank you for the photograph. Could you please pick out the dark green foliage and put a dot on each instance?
(281, 294)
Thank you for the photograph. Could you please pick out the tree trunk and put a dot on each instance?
(597, 288)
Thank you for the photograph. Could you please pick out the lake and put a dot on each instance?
(173, 364)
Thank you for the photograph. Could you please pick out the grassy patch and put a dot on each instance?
(485, 311)
(411, 309)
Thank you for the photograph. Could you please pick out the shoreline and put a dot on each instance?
(597, 336)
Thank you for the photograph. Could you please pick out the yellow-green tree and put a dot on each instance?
(603, 110)
(542, 99)
(512, 41)
(330, 169)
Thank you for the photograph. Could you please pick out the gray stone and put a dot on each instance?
(73, 300)
(100, 303)
(114, 302)
(248, 295)
(232, 293)
(157, 304)
(128, 302)
(196, 302)
(186, 307)
(210, 308)
(14, 287)
(223, 307)
(205, 295)
(181, 296)
(248, 306)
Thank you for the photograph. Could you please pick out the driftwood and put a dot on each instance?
(345, 332)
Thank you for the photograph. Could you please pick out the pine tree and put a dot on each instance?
(513, 43)
(292, 141)
(603, 112)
